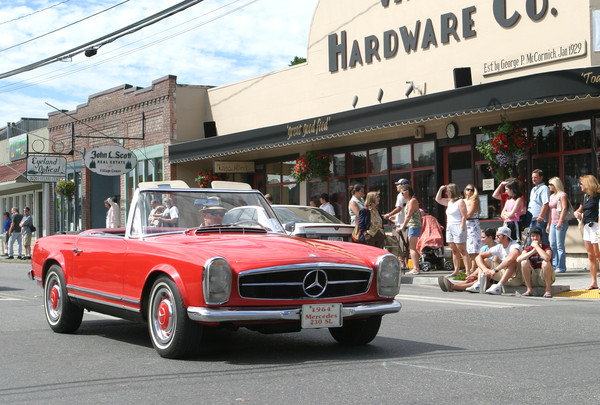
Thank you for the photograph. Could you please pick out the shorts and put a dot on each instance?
(589, 232)
(537, 278)
(454, 234)
(414, 232)
(26, 239)
(515, 281)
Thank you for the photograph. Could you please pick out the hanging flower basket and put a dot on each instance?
(205, 177)
(310, 166)
(504, 149)
(65, 188)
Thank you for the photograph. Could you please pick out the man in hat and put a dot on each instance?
(536, 264)
(505, 273)
(398, 210)
(212, 212)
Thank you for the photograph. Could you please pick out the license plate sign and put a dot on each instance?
(321, 316)
(336, 238)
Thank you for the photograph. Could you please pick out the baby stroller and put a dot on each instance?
(431, 246)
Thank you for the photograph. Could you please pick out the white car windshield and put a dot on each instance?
(300, 214)
(166, 210)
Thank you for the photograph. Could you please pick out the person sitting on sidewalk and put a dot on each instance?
(505, 273)
(536, 264)
(488, 237)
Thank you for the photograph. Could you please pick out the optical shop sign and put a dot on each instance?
(110, 160)
(46, 169)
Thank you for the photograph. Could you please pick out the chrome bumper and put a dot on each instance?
(202, 314)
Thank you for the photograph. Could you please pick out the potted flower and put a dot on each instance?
(65, 188)
(505, 148)
(205, 177)
(312, 165)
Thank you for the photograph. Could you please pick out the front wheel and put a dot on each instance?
(357, 331)
(173, 334)
(62, 315)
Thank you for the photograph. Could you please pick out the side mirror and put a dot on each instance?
(289, 227)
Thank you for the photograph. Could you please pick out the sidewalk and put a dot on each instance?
(571, 280)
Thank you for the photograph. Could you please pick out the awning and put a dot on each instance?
(564, 85)
(13, 175)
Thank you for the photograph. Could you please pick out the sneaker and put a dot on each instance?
(474, 288)
(20, 257)
(442, 282)
(495, 289)
(10, 257)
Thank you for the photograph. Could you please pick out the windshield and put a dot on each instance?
(160, 211)
(299, 214)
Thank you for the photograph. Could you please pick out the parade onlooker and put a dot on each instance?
(557, 226)
(413, 224)
(170, 216)
(325, 204)
(269, 198)
(506, 272)
(398, 210)
(112, 213)
(456, 225)
(513, 207)
(536, 264)
(370, 223)
(471, 283)
(14, 233)
(588, 213)
(473, 229)
(538, 203)
(7, 223)
(356, 203)
(26, 233)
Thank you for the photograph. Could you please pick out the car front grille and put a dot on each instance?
(305, 281)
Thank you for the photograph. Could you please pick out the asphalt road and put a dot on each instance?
(441, 348)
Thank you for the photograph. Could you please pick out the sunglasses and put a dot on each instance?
(217, 214)
(468, 189)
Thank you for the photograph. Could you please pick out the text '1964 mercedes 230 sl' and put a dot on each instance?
(180, 267)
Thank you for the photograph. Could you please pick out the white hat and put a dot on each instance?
(401, 181)
(504, 230)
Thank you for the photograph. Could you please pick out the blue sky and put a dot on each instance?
(212, 43)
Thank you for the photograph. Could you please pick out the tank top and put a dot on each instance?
(415, 219)
(553, 205)
(590, 208)
(508, 206)
(361, 204)
(453, 215)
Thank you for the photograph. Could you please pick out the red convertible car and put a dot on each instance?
(180, 267)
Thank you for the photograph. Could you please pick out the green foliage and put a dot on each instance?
(66, 188)
(310, 166)
(297, 60)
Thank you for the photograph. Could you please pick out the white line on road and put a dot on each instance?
(437, 369)
(458, 301)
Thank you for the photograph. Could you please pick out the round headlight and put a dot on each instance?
(216, 281)
(388, 276)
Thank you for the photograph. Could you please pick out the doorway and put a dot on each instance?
(458, 165)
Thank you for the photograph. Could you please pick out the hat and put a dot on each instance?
(504, 230)
(401, 181)
(537, 230)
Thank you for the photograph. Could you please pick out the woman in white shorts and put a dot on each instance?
(456, 225)
(588, 212)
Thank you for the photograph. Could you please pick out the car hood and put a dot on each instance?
(245, 252)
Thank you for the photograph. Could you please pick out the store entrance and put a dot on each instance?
(458, 165)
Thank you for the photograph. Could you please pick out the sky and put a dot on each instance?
(214, 42)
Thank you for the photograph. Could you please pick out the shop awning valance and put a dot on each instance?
(523, 91)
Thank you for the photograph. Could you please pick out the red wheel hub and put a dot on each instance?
(54, 298)
(164, 315)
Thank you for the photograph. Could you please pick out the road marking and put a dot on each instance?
(437, 369)
(458, 301)
(9, 299)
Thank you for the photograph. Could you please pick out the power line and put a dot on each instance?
(92, 46)
(35, 12)
(62, 28)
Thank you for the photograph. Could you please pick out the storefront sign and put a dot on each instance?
(560, 52)
(110, 160)
(234, 167)
(312, 127)
(46, 169)
(17, 146)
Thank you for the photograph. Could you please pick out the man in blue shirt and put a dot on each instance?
(538, 204)
(7, 223)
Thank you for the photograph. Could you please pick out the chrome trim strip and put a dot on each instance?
(301, 266)
(101, 294)
(228, 314)
(109, 304)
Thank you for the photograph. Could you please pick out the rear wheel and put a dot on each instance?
(173, 334)
(357, 331)
(62, 315)
(449, 266)
(425, 266)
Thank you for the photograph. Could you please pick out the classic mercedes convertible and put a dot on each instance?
(180, 266)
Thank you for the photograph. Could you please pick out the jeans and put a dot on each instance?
(542, 226)
(15, 236)
(557, 243)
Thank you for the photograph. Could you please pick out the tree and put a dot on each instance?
(297, 60)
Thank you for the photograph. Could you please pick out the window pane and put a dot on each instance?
(380, 183)
(401, 157)
(275, 192)
(150, 170)
(338, 165)
(549, 166)
(315, 189)
(273, 173)
(358, 162)
(461, 171)
(425, 190)
(286, 169)
(577, 135)
(489, 205)
(424, 154)
(290, 194)
(338, 193)
(378, 160)
(545, 138)
(576, 166)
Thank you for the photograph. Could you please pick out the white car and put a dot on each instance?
(312, 223)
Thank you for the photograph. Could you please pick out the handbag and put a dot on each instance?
(355, 233)
(32, 228)
(570, 211)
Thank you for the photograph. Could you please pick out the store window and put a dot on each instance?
(150, 167)
(336, 187)
(281, 184)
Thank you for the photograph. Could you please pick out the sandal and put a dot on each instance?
(526, 294)
(547, 295)
(592, 287)
(413, 272)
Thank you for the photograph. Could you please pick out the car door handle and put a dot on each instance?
(76, 251)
